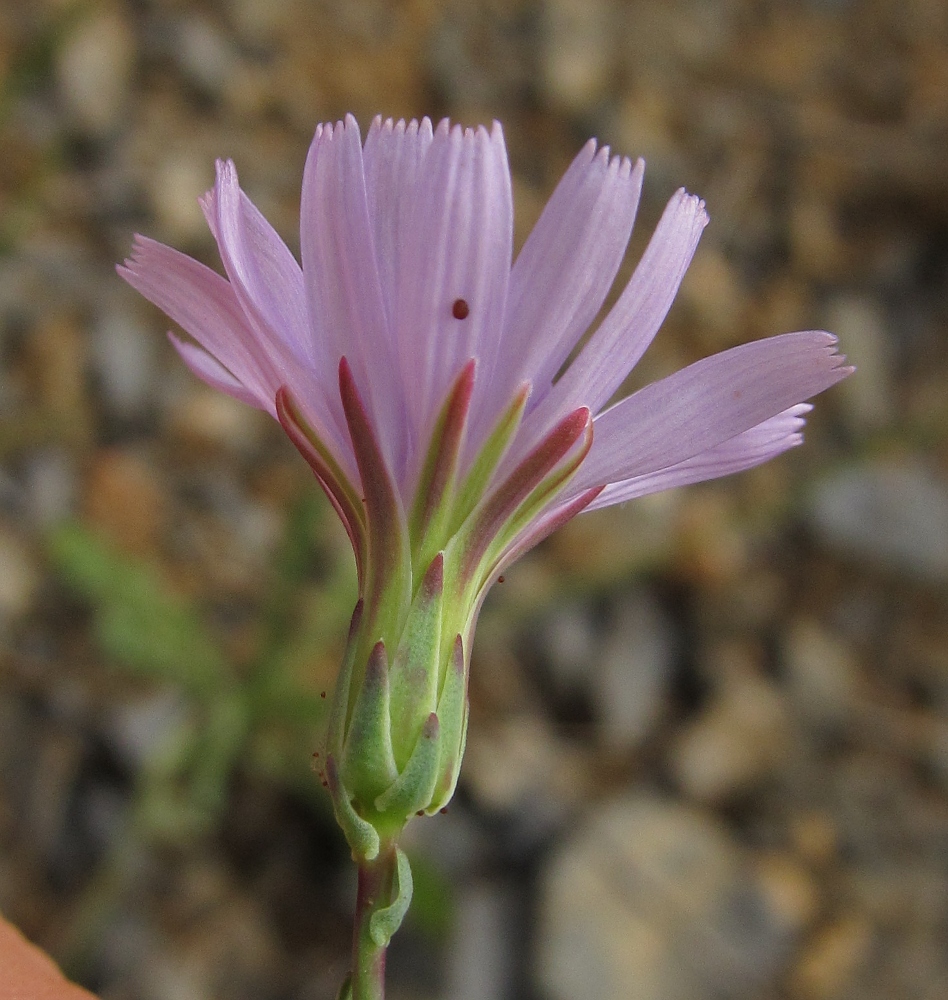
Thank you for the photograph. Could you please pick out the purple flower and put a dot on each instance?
(415, 365)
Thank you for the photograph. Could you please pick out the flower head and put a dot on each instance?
(417, 369)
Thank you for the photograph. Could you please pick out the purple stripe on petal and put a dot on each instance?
(708, 403)
(453, 268)
(565, 270)
(342, 281)
(621, 340)
(263, 272)
(752, 447)
(204, 304)
(393, 156)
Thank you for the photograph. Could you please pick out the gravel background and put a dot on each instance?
(709, 744)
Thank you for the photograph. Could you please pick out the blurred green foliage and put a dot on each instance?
(258, 715)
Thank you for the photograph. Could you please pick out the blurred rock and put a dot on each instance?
(570, 641)
(822, 674)
(124, 499)
(894, 515)
(20, 577)
(483, 952)
(654, 894)
(94, 70)
(868, 398)
(518, 767)
(204, 418)
(831, 959)
(792, 893)
(174, 188)
(735, 743)
(578, 51)
(632, 674)
(50, 486)
(124, 355)
(205, 55)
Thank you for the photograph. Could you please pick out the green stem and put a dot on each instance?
(376, 884)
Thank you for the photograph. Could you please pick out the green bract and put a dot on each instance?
(399, 716)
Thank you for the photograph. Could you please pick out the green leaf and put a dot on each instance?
(385, 922)
(138, 618)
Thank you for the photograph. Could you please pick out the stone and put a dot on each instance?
(867, 399)
(20, 578)
(831, 959)
(734, 744)
(124, 500)
(578, 51)
(823, 674)
(49, 485)
(174, 187)
(894, 514)
(482, 953)
(521, 768)
(124, 354)
(656, 894)
(94, 70)
(570, 639)
(632, 674)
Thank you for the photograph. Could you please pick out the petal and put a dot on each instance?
(216, 375)
(620, 341)
(264, 274)
(341, 278)
(205, 306)
(708, 403)
(615, 348)
(768, 439)
(393, 157)
(457, 246)
(563, 273)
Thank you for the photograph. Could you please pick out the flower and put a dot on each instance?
(417, 369)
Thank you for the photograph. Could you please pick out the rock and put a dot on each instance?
(578, 52)
(830, 961)
(823, 674)
(632, 674)
(734, 744)
(205, 55)
(174, 188)
(482, 954)
(202, 417)
(50, 486)
(123, 500)
(570, 640)
(94, 70)
(715, 292)
(522, 769)
(894, 515)
(20, 577)
(654, 894)
(868, 398)
(792, 893)
(124, 354)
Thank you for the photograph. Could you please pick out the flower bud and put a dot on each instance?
(398, 722)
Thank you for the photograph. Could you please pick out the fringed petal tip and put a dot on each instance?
(141, 245)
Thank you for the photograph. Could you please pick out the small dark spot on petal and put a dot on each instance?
(322, 694)
(501, 578)
(420, 812)
(443, 811)
(460, 309)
